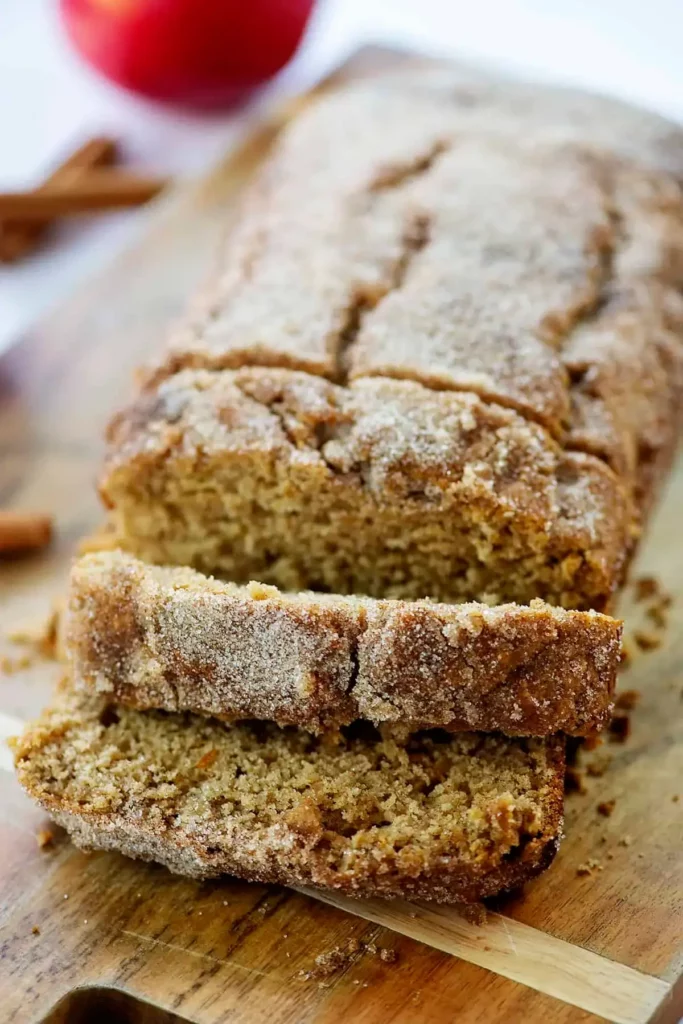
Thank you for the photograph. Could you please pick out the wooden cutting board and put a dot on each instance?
(100, 937)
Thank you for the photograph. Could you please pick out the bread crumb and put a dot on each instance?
(657, 614)
(606, 807)
(620, 729)
(646, 587)
(573, 781)
(591, 865)
(35, 930)
(8, 666)
(475, 913)
(675, 798)
(627, 700)
(332, 961)
(42, 637)
(626, 840)
(340, 957)
(625, 656)
(647, 641)
(598, 766)
(44, 838)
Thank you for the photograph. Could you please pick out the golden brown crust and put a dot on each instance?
(458, 245)
(179, 641)
(487, 239)
(454, 819)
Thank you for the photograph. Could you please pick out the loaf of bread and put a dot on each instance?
(453, 817)
(441, 360)
(172, 639)
(441, 356)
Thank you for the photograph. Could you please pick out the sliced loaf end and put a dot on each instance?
(454, 818)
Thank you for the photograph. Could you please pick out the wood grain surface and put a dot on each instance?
(85, 937)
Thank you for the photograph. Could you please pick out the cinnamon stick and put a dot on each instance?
(21, 532)
(19, 238)
(105, 189)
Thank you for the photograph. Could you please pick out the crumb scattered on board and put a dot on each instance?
(41, 642)
(646, 587)
(625, 657)
(606, 807)
(574, 780)
(649, 591)
(340, 957)
(657, 615)
(647, 641)
(45, 838)
(591, 865)
(8, 666)
(620, 729)
(599, 765)
(627, 700)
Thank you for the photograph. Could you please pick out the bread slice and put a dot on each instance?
(383, 488)
(449, 817)
(173, 639)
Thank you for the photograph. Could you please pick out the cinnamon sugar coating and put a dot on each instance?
(450, 818)
(383, 488)
(465, 289)
(175, 640)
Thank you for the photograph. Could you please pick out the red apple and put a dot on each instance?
(200, 53)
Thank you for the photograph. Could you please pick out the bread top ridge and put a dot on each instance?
(449, 818)
(443, 289)
(173, 639)
(521, 243)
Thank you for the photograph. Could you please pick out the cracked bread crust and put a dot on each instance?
(509, 258)
(453, 819)
(175, 640)
(465, 245)
(382, 488)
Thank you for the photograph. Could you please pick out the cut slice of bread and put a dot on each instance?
(449, 817)
(176, 640)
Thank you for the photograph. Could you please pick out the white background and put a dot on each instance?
(49, 101)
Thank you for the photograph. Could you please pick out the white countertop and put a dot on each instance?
(50, 101)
